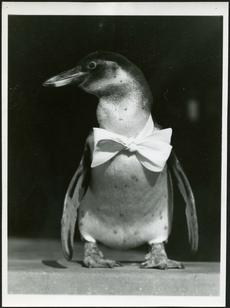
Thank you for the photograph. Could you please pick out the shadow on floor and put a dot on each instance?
(53, 264)
(56, 264)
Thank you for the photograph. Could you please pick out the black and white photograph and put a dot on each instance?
(114, 147)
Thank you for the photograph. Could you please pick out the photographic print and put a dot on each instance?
(114, 154)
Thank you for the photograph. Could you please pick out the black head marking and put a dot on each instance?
(102, 73)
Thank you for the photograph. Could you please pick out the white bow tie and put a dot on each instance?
(151, 146)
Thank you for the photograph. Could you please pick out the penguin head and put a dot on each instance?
(103, 74)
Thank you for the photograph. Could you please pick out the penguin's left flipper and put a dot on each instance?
(186, 191)
(75, 192)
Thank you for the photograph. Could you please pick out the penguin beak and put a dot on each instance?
(74, 75)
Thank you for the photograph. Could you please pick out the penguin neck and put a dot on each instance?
(123, 114)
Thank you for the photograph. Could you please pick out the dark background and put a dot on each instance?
(181, 58)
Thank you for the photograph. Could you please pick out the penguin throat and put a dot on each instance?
(123, 115)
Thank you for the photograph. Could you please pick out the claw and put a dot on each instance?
(92, 262)
(143, 264)
(175, 264)
(118, 264)
(151, 264)
(164, 264)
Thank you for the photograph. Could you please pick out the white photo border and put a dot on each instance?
(110, 9)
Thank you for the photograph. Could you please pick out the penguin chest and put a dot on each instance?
(126, 205)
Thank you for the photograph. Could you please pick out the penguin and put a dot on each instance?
(121, 195)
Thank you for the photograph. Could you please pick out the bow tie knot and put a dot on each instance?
(130, 145)
(151, 146)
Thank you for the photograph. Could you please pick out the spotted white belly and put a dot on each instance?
(126, 205)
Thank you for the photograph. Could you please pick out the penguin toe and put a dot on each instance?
(112, 263)
(174, 264)
(153, 264)
(161, 264)
(92, 262)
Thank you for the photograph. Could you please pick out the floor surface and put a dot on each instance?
(38, 267)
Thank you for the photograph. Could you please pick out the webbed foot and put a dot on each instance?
(157, 258)
(93, 257)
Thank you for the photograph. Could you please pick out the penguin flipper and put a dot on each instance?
(186, 191)
(75, 192)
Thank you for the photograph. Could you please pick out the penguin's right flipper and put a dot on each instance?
(186, 191)
(75, 192)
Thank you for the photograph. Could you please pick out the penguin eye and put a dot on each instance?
(92, 65)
